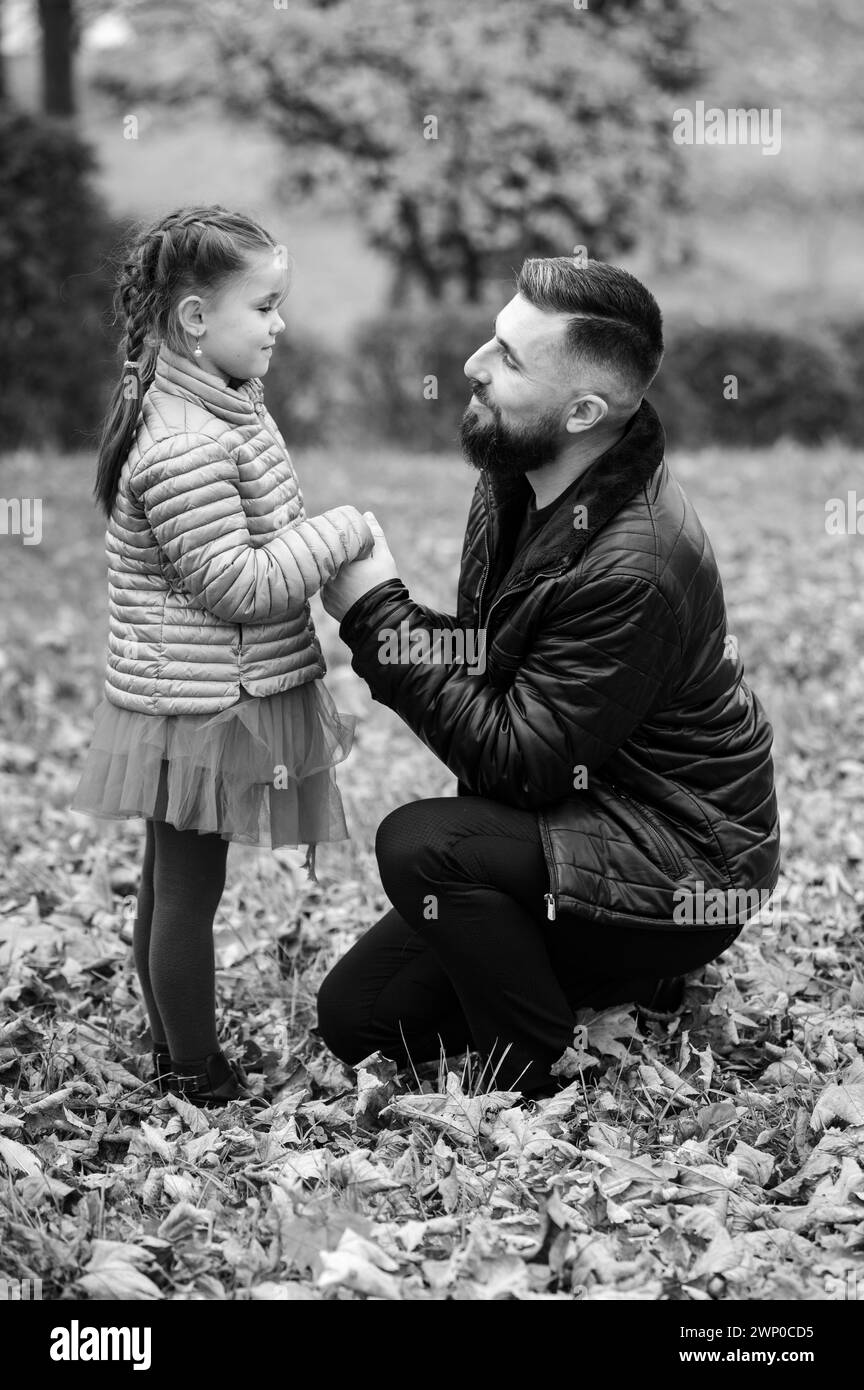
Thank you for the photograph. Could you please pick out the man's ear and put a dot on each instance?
(586, 413)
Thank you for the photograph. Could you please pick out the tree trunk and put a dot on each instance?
(416, 263)
(472, 274)
(57, 18)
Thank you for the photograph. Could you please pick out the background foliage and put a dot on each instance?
(55, 283)
(553, 130)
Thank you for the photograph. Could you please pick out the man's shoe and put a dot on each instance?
(664, 1002)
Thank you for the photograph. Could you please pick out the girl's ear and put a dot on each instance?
(189, 314)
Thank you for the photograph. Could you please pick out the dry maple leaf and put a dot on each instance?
(305, 1237)
(114, 1272)
(461, 1117)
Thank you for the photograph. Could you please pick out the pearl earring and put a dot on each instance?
(197, 352)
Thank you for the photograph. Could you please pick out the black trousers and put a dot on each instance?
(467, 958)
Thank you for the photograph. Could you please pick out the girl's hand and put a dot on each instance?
(356, 579)
(357, 539)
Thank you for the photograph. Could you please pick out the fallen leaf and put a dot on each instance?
(375, 1088)
(18, 1157)
(114, 1272)
(842, 1102)
(346, 1268)
(282, 1293)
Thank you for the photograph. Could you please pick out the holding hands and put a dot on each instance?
(357, 578)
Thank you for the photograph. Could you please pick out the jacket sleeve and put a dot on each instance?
(604, 654)
(189, 488)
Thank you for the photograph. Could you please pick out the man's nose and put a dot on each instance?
(475, 370)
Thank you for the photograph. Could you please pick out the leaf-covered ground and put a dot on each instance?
(719, 1158)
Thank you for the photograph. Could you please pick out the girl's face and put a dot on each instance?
(237, 325)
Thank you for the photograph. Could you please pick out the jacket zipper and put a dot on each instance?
(551, 898)
(526, 584)
(671, 859)
(485, 574)
(514, 588)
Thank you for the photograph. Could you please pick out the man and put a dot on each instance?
(612, 764)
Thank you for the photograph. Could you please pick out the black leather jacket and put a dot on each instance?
(606, 650)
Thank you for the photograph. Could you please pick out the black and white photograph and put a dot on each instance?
(431, 670)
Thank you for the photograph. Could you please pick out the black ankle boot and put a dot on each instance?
(163, 1069)
(664, 1002)
(211, 1080)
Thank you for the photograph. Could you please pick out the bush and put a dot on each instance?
(799, 386)
(55, 286)
(408, 373)
(850, 341)
(305, 389)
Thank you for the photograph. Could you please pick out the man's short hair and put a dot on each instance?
(615, 322)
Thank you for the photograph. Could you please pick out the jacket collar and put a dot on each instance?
(181, 376)
(604, 488)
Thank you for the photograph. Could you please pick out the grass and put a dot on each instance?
(737, 1110)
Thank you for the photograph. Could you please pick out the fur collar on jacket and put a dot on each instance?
(604, 488)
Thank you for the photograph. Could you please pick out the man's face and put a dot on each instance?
(523, 385)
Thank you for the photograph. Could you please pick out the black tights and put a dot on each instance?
(468, 958)
(182, 881)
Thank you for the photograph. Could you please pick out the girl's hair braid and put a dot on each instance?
(189, 251)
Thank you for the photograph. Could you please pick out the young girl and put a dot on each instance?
(216, 725)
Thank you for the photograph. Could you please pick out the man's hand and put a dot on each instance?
(356, 579)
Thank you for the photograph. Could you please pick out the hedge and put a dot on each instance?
(744, 383)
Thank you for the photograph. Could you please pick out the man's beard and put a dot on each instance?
(507, 452)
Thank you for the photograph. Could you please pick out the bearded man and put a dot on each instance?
(612, 763)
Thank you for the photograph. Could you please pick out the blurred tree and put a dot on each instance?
(59, 41)
(467, 135)
(55, 284)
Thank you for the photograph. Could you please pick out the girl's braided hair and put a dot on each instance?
(190, 250)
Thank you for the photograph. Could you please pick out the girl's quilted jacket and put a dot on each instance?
(211, 557)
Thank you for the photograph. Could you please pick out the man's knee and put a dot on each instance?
(413, 840)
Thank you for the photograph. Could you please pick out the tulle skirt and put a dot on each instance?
(259, 772)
